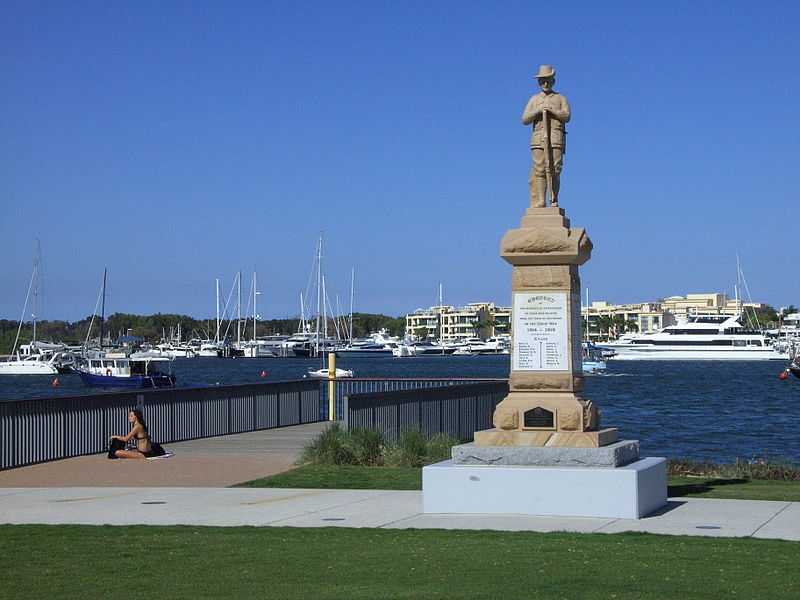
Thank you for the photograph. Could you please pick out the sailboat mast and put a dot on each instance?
(33, 283)
(352, 293)
(255, 312)
(103, 308)
(319, 288)
(216, 335)
(37, 278)
(239, 307)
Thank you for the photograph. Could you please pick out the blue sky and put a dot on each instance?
(174, 143)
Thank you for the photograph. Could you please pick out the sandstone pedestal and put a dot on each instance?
(547, 454)
(544, 406)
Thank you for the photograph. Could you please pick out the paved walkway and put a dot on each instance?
(209, 462)
(369, 508)
(189, 489)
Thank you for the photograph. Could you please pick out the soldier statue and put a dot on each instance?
(548, 111)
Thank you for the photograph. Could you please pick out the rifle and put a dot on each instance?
(548, 164)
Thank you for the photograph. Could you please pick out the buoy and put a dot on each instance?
(263, 373)
(783, 375)
(55, 382)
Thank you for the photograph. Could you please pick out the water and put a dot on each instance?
(703, 410)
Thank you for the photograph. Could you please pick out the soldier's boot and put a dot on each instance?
(537, 201)
(554, 191)
(540, 184)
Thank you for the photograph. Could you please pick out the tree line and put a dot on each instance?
(158, 327)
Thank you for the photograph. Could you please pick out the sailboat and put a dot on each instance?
(120, 369)
(36, 358)
(321, 330)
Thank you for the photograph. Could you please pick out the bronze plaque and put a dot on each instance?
(539, 417)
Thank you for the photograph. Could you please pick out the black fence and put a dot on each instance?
(39, 430)
(456, 410)
(347, 387)
(44, 429)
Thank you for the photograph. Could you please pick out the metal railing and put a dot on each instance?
(39, 430)
(457, 410)
(45, 429)
(349, 386)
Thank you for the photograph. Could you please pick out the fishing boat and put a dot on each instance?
(135, 371)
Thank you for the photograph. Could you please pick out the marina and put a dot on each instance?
(701, 410)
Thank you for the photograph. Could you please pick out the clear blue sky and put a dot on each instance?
(174, 143)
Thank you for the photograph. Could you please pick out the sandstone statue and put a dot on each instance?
(548, 111)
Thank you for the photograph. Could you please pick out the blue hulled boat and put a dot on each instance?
(130, 372)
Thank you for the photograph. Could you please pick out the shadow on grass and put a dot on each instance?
(701, 486)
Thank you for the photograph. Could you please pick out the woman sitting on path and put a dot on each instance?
(144, 446)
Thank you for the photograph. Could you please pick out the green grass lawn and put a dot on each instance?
(70, 561)
(733, 489)
(399, 478)
(343, 477)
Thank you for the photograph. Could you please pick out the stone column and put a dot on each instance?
(544, 406)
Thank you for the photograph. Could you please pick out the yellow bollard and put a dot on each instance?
(331, 386)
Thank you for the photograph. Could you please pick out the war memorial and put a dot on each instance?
(548, 453)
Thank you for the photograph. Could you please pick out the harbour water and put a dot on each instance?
(702, 410)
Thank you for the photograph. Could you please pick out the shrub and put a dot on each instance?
(412, 447)
(368, 446)
(440, 448)
(332, 447)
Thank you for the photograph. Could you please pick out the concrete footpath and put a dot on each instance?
(369, 508)
(189, 489)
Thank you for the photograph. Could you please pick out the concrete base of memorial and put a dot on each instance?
(573, 439)
(613, 455)
(632, 491)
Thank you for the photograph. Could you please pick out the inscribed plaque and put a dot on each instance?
(541, 332)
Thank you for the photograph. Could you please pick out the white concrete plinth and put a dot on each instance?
(628, 492)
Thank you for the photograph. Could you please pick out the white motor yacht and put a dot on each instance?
(699, 337)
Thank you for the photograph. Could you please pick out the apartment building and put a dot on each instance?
(454, 323)
(604, 318)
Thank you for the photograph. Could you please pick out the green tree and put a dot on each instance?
(604, 323)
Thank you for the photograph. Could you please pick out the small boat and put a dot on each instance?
(35, 364)
(325, 373)
(132, 372)
(593, 366)
(428, 348)
(592, 362)
(363, 350)
(794, 368)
